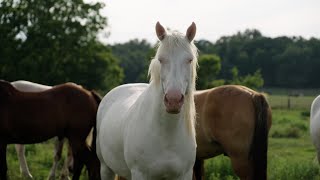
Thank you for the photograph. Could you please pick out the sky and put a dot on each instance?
(131, 19)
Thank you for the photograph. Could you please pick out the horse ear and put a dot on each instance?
(161, 32)
(191, 32)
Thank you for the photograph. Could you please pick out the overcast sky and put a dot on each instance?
(129, 19)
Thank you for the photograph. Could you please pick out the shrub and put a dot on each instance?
(219, 168)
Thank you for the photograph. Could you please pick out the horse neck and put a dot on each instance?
(163, 121)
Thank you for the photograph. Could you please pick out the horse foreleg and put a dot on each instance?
(187, 176)
(137, 175)
(3, 161)
(106, 173)
(20, 148)
(198, 170)
(58, 146)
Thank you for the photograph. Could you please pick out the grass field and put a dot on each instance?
(291, 155)
(39, 158)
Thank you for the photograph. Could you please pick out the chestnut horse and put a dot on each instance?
(66, 110)
(233, 120)
(27, 86)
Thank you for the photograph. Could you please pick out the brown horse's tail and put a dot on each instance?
(259, 146)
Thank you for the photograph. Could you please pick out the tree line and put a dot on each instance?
(246, 58)
(55, 41)
(283, 61)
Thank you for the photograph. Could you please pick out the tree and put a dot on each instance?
(55, 41)
(205, 47)
(254, 81)
(209, 67)
(134, 58)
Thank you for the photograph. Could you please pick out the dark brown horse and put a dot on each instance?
(66, 110)
(233, 120)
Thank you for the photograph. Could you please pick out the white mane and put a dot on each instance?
(177, 39)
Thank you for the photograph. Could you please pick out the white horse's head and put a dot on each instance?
(174, 66)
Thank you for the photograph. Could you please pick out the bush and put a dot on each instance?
(305, 113)
(219, 168)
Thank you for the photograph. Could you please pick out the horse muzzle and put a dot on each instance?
(173, 100)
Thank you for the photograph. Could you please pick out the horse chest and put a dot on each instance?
(160, 155)
(163, 165)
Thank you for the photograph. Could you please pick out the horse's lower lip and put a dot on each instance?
(173, 111)
(173, 108)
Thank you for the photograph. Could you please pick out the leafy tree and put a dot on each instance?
(254, 81)
(205, 47)
(134, 59)
(55, 41)
(209, 67)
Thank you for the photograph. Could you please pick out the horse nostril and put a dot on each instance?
(181, 99)
(166, 98)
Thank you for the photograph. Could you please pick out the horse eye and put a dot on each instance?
(160, 60)
(190, 60)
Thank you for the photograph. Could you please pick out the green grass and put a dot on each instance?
(290, 155)
(39, 158)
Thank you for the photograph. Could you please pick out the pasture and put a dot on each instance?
(291, 154)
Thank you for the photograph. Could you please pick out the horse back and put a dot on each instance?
(121, 97)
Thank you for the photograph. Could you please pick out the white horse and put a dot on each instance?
(146, 131)
(315, 125)
(27, 86)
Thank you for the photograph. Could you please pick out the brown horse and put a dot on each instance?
(66, 110)
(235, 121)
